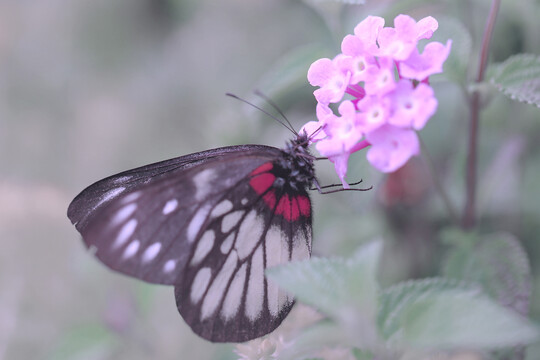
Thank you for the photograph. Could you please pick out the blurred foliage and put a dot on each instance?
(496, 262)
(92, 87)
(519, 78)
(414, 316)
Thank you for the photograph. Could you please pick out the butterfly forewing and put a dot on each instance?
(141, 231)
(92, 199)
(209, 223)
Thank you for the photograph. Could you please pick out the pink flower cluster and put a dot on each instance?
(380, 81)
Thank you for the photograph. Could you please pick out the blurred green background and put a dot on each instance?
(93, 87)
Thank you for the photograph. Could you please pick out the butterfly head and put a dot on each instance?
(297, 164)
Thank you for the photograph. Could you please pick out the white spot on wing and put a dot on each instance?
(249, 234)
(109, 195)
(169, 266)
(276, 247)
(255, 292)
(200, 283)
(203, 247)
(226, 245)
(230, 220)
(244, 201)
(131, 197)
(125, 233)
(197, 221)
(300, 251)
(124, 213)
(131, 249)
(273, 297)
(151, 252)
(276, 254)
(231, 304)
(170, 206)
(223, 207)
(203, 183)
(215, 293)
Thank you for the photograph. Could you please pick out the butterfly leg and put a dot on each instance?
(320, 188)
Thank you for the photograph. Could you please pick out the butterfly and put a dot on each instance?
(209, 224)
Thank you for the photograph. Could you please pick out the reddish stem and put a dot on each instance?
(469, 216)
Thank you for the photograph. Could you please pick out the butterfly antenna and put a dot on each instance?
(264, 112)
(274, 105)
(313, 134)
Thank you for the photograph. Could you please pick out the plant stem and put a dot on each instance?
(469, 216)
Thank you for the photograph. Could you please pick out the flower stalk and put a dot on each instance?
(469, 215)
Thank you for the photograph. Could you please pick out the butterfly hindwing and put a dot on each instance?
(224, 295)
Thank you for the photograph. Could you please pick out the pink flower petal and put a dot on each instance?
(343, 131)
(340, 164)
(420, 66)
(405, 26)
(394, 44)
(426, 27)
(368, 31)
(374, 112)
(320, 72)
(398, 42)
(332, 81)
(412, 107)
(391, 147)
(323, 112)
(380, 80)
(352, 46)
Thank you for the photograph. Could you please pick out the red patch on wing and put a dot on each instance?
(289, 207)
(304, 205)
(263, 168)
(284, 207)
(261, 183)
(270, 199)
(295, 211)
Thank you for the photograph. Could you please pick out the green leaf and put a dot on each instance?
(344, 289)
(445, 314)
(324, 334)
(518, 78)
(497, 263)
(396, 299)
(455, 319)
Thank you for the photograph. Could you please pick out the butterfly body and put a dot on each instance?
(208, 223)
